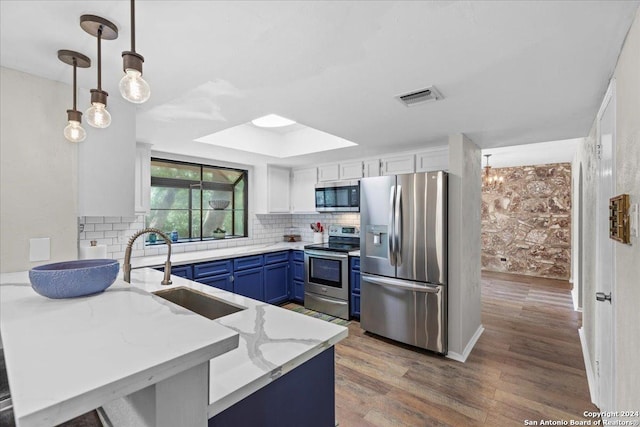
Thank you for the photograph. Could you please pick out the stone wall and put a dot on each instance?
(526, 224)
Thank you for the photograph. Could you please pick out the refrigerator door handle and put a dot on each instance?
(429, 289)
(398, 225)
(391, 234)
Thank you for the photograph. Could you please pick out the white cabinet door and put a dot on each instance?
(107, 163)
(351, 170)
(399, 164)
(371, 168)
(303, 187)
(143, 178)
(278, 190)
(328, 173)
(436, 159)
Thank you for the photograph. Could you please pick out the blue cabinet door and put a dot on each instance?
(221, 281)
(276, 283)
(354, 286)
(249, 283)
(298, 291)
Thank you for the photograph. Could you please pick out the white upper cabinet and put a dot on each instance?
(351, 170)
(143, 178)
(303, 187)
(433, 160)
(278, 200)
(398, 164)
(106, 165)
(328, 173)
(371, 168)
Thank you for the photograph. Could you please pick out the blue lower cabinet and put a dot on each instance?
(305, 396)
(354, 286)
(298, 291)
(355, 305)
(249, 283)
(276, 283)
(222, 281)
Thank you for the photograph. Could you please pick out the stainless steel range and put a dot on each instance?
(326, 283)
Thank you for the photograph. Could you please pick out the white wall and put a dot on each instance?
(38, 196)
(627, 267)
(465, 204)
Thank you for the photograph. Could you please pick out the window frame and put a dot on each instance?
(201, 185)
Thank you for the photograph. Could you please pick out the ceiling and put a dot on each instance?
(511, 72)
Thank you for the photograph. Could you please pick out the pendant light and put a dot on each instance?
(74, 131)
(491, 181)
(97, 114)
(133, 87)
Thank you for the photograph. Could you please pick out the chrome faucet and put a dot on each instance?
(127, 255)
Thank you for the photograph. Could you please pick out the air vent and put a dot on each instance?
(422, 96)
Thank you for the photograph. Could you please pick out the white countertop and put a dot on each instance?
(66, 357)
(273, 341)
(215, 254)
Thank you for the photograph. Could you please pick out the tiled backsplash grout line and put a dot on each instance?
(114, 232)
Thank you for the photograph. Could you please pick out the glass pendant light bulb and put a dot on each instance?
(98, 116)
(134, 88)
(74, 132)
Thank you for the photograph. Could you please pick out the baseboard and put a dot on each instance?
(574, 298)
(467, 350)
(591, 379)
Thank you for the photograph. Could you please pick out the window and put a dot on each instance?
(200, 202)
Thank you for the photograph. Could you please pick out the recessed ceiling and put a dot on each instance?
(512, 72)
(280, 142)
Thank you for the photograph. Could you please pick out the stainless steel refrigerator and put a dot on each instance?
(403, 256)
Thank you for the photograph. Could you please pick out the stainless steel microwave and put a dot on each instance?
(338, 196)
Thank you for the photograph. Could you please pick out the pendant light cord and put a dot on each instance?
(133, 26)
(100, 58)
(75, 68)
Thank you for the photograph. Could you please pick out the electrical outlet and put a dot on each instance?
(633, 220)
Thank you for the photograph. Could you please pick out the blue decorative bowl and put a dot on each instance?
(72, 279)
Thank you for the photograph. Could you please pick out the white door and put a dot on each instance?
(605, 261)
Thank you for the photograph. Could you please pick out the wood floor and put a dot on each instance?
(527, 365)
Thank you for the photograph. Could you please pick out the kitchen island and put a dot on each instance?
(65, 357)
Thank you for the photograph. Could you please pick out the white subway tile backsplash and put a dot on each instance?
(264, 229)
(103, 227)
(93, 220)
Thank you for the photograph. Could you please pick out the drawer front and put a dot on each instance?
(355, 263)
(298, 256)
(247, 262)
(274, 257)
(212, 268)
(183, 271)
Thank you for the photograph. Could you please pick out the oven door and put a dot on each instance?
(326, 273)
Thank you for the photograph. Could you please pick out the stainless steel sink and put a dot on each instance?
(198, 302)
